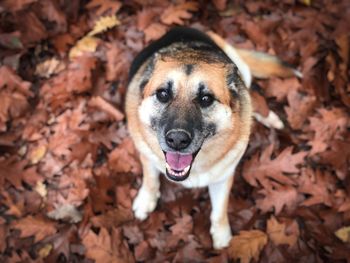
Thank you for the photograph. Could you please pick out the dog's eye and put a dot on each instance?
(163, 95)
(206, 100)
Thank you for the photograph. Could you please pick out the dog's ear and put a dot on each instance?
(234, 80)
(147, 70)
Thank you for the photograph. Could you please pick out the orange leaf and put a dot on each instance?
(247, 245)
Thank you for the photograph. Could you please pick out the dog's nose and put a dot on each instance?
(178, 139)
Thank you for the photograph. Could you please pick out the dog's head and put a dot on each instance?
(188, 100)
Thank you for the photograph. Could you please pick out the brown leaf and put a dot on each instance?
(38, 227)
(318, 185)
(330, 124)
(104, 7)
(103, 247)
(176, 14)
(123, 158)
(112, 218)
(262, 169)
(16, 5)
(105, 106)
(247, 245)
(276, 199)
(154, 31)
(145, 17)
(277, 232)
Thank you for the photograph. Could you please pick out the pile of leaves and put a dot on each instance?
(69, 171)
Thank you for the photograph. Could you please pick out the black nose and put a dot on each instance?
(178, 139)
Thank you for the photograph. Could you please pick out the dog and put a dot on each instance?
(189, 114)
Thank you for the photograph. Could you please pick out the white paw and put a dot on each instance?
(144, 203)
(221, 235)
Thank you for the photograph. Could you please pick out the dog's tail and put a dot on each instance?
(252, 63)
(261, 65)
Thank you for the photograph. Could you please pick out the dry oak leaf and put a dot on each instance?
(154, 31)
(176, 14)
(262, 169)
(87, 44)
(104, 7)
(277, 198)
(38, 227)
(103, 24)
(145, 17)
(247, 245)
(329, 125)
(319, 185)
(123, 158)
(16, 5)
(277, 232)
(103, 247)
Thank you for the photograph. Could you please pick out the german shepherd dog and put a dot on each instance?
(189, 115)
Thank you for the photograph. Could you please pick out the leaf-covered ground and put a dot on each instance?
(69, 171)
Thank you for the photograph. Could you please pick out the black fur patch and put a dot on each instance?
(189, 69)
(195, 38)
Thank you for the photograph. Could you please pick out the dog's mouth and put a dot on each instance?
(178, 166)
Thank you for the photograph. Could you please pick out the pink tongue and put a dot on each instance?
(177, 161)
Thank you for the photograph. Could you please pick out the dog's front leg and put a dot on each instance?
(147, 197)
(220, 228)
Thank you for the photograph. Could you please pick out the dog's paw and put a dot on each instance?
(221, 235)
(144, 203)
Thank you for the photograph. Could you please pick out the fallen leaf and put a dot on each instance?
(67, 213)
(104, 23)
(87, 44)
(278, 234)
(276, 199)
(247, 245)
(343, 234)
(38, 227)
(37, 154)
(154, 31)
(105, 106)
(262, 169)
(104, 7)
(176, 14)
(49, 67)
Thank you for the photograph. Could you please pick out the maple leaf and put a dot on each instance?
(278, 198)
(104, 23)
(176, 14)
(104, 7)
(247, 245)
(261, 170)
(277, 232)
(38, 227)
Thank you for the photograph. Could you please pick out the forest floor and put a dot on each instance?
(69, 171)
